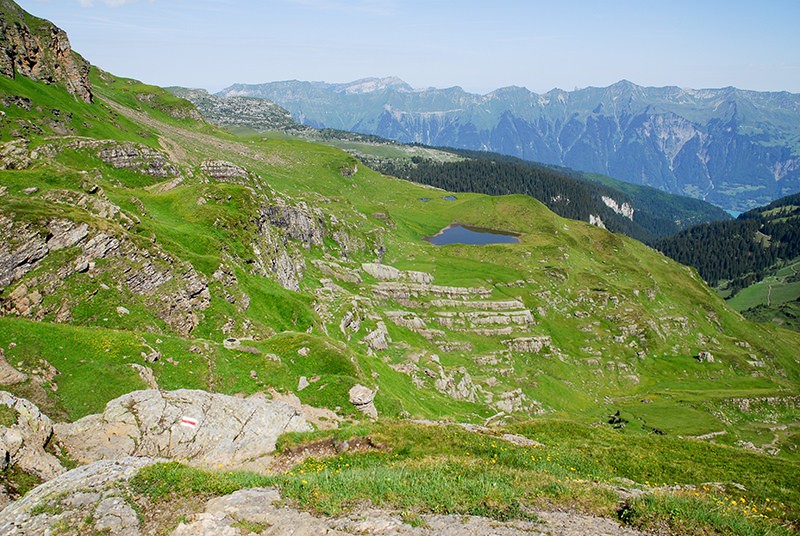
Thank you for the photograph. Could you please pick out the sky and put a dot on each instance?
(479, 45)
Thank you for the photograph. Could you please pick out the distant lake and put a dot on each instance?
(457, 233)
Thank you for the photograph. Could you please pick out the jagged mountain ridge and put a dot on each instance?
(732, 147)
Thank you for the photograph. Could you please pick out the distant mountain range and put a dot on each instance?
(737, 149)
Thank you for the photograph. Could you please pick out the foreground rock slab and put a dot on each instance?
(86, 500)
(205, 429)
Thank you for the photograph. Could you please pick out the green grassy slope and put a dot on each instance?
(571, 323)
(623, 321)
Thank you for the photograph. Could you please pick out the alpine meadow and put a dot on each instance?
(216, 318)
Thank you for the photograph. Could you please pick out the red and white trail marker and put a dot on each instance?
(189, 422)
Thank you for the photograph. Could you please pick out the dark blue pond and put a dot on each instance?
(466, 234)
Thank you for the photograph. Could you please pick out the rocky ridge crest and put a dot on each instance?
(39, 50)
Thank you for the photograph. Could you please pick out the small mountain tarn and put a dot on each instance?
(458, 233)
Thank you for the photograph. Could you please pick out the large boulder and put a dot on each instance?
(363, 399)
(205, 429)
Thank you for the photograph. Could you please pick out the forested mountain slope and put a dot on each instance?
(752, 260)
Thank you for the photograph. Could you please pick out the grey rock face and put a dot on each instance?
(138, 158)
(276, 259)
(705, 357)
(43, 55)
(66, 234)
(116, 516)
(383, 272)
(299, 222)
(21, 248)
(206, 429)
(378, 339)
(92, 491)
(14, 155)
(222, 170)
(532, 345)
(144, 271)
(23, 443)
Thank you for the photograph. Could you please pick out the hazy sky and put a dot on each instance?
(479, 45)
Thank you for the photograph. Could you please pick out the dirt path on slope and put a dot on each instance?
(177, 138)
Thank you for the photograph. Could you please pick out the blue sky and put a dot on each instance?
(479, 45)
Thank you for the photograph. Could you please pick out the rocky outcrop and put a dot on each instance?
(378, 339)
(23, 442)
(384, 272)
(299, 222)
(203, 428)
(623, 209)
(222, 170)
(145, 272)
(705, 357)
(336, 270)
(403, 292)
(283, 230)
(275, 258)
(23, 245)
(485, 305)
(121, 155)
(98, 205)
(89, 499)
(15, 155)
(139, 158)
(178, 308)
(532, 345)
(457, 384)
(41, 53)
(515, 401)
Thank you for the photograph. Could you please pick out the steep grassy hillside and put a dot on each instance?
(135, 236)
